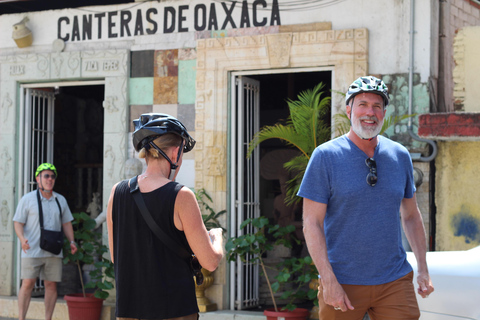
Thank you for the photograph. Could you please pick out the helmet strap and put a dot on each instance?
(41, 185)
(173, 166)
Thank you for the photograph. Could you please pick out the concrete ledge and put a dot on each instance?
(36, 311)
(232, 315)
(454, 126)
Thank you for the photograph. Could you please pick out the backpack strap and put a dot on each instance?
(40, 210)
(169, 242)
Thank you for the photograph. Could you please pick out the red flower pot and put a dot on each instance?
(83, 308)
(297, 314)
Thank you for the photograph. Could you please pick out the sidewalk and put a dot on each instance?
(9, 311)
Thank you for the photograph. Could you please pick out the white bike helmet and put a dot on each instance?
(368, 84)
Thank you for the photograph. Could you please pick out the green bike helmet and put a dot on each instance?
(368, 84)
(45, 166)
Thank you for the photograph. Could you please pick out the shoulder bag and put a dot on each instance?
(51, 241)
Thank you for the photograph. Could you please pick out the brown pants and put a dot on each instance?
(193, 316)
(389, 301)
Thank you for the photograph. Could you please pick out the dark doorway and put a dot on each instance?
(78, 144)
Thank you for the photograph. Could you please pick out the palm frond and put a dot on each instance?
(342, 124)
(278, 131)
(393, 120)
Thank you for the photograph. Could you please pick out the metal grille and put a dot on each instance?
(39, 123)
(244, 186)
(38, 147)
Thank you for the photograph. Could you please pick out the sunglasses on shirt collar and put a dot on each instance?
(372, 175)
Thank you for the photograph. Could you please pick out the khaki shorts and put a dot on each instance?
(49, 269)
(393, 300)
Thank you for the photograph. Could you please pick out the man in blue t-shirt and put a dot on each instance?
(353, 189)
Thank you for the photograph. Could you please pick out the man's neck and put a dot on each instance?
(46, 194)
(367, 146)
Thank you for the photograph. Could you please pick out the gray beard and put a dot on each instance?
(361, 132)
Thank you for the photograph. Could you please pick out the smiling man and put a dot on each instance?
(37, 262)
(357, 189)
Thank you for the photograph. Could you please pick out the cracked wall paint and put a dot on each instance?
(398, 92)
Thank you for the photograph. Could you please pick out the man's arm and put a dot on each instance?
(18, 226)
(68, 231)
(313, 229)
(414, 230)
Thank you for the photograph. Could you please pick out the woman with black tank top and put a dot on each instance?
(152, 280)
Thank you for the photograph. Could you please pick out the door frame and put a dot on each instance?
(111, 66)
(233, 221)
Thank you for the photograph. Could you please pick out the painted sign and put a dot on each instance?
(168, 19)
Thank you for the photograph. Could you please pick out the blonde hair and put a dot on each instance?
(163, 142)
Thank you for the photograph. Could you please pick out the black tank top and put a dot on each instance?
(152, 282)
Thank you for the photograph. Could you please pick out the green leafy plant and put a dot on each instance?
(209, 216)
(299, 272)
(251, 247)
(91, 250)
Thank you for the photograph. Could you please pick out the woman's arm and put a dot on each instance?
(110, 221)
(207, 246)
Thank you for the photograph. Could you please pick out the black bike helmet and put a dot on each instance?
(152, 125)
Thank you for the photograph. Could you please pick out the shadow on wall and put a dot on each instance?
(465, 224)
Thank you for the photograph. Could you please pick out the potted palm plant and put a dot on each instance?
(252, 247)
(91, 250)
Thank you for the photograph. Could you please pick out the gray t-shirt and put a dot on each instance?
(28, 214)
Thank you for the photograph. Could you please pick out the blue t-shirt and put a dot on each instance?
(362, 223)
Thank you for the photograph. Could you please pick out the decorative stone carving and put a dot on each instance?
(279, 46)
(110, 104)
(216, 161)
(43, 65)
(5, 107)
(109, 162)
(345, 51)
(57, 62)
(5, 159)
(5, 215)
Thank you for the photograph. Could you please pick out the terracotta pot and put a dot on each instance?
(83, 308)
(297, 314)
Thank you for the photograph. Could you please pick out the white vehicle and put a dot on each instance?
(456, 278)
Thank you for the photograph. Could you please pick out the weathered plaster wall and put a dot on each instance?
(465, 75)
(398, 92)
(455, 15)
(457, 200)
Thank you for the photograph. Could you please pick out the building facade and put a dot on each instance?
(224, 68)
